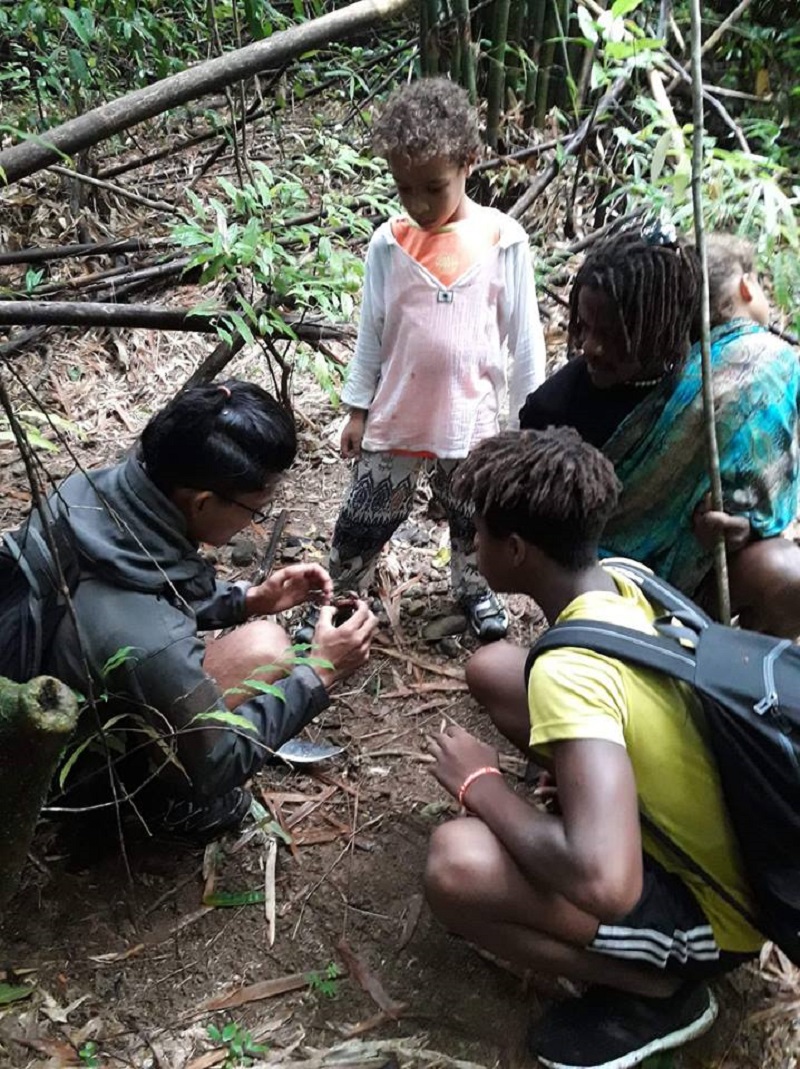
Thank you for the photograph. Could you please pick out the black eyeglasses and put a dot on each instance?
(258, 516)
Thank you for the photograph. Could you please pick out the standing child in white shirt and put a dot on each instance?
(448, 299)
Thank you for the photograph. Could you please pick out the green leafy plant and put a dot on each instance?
(279, 241)
(110, 736)
(746, 193)
(240, 1049)
(32, 420)
(325, 983)
(73, 55)
(89, 1055)
(623, 44)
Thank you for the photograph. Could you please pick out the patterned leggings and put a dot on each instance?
(380, 499)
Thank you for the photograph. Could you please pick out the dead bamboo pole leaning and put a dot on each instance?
(720, 561)
(28, 157)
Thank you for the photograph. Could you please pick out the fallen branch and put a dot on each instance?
(28, 157)
(572, 146)
(520, 154)
(92, 314)
(307, 330)
(708, 95)
(120, 191)
(723, 27)
(66, 252)
(19, 343)
(123, 277)
(405, 1053)
(424, 688)
(436, 669)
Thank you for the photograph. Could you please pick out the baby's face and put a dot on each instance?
(432, 192)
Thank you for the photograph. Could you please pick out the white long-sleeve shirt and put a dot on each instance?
(431, 365)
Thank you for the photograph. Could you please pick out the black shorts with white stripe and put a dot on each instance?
(668, 929)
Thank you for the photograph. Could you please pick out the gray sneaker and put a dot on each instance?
(303, 634)
(487, 617)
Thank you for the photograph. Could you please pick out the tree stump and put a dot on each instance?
(36, 719)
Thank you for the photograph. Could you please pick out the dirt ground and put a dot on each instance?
(125, 965)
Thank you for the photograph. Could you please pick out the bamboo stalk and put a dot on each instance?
(92, 314)
(720, 561)
(64, 252)
(36, 719)
(430, 50)
(468, 64)
(536, 14)
(497, 71)
(546, 56)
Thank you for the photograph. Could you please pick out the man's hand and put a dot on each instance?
(708, 525)
(289, 587)
(353, 433)
(346, 646)
(457, 755)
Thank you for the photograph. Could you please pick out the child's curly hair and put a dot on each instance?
(430, 117)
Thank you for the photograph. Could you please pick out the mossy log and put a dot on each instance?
(36, 719)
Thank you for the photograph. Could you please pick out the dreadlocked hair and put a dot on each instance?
(728, 258)
(431, 117)
(549, 487)
(653, 291)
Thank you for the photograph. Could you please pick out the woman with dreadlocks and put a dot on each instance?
(634, 390)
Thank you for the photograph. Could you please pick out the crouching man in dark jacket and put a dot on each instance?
(206, 466)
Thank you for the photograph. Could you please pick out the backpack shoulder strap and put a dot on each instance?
(658, 591)
(623, 643)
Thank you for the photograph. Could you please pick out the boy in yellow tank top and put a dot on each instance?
(582, 891)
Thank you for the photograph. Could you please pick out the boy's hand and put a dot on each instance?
(352, 434)
(708, 525)
(289, 587)
(346, 646)
(457, 754)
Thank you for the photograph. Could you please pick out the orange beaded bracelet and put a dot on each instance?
(487, 770)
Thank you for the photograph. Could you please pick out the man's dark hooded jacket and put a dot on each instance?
(145, 589)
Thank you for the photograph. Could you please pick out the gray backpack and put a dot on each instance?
(33, 593)
(749, 687)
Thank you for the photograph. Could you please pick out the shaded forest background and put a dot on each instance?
(600, 98)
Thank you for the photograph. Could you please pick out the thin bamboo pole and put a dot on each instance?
(469, 76)
(546, 58)
(720, 561)
(497, 71)
(536, 13)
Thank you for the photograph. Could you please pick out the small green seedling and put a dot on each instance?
(240, 1050)
(325, 983)
(88, 1054)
